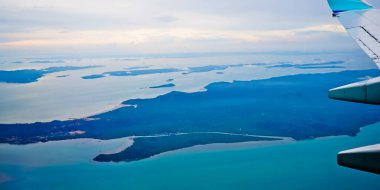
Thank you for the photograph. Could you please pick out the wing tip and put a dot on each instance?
(338, 6)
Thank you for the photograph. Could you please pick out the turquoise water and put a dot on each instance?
(307, 164)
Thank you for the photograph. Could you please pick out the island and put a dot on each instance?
(145, 147)
(293, 106)
(32, 75)
(135, 71)
(131, 73)
(164, 86)
(62, 76)
(317, 65)
(47, 61)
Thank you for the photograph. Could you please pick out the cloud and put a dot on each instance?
(51, 38)
(141, 26)
(166, 19)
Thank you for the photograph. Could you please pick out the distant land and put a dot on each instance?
(320, 65)
(47, 61)
(32, 75)
(138, 67)
(290, 106)
(210, 68)
(135, 71)
(164, 86)
(131, 73)
(62, 76)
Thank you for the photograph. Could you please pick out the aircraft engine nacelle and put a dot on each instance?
(367, 92)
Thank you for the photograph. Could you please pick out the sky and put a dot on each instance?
(57, 27)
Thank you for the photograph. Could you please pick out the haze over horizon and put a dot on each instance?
(41, 27)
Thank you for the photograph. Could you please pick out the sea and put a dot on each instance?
(68, 164)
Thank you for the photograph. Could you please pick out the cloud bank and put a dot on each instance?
(163, 26)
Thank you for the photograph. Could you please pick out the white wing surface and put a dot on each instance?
(362, 21)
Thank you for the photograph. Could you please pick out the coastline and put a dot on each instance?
(257, 167)
(81, 150)
(99, 147)
(155, 145)
(214, 147)
(119, 104)
(134, 116)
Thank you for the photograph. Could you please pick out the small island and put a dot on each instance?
(32, 75)
(145, 147)
(164, 86)
(144, 70)
(62, 76)
(131, 73)
(317, 65)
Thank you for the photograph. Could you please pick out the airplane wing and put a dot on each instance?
(362, 22)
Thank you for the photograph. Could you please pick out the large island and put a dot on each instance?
(291, 106)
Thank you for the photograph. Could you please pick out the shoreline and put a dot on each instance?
(117, 105)
(205, 146)
(214, 147)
